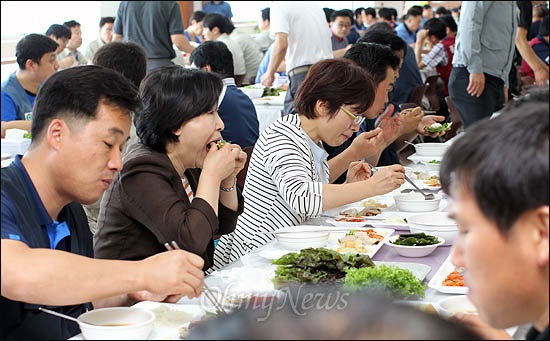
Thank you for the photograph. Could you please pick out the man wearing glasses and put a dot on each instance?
(340, 26)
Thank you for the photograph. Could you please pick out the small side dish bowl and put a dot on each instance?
(430, 148)
(117, 323)
(449, 306)
(432, 165)
(301, 240)
(415, 202)
(413, 251)
(253, 91)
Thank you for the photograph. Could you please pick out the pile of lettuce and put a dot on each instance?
(350, 270)
(394, 281)
(317, 265)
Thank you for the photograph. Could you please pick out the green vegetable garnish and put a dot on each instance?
(442, 127)
(27, 136)
(392, 280)
(221, 143)
(270, 92)
(435, 162)
(415, 239)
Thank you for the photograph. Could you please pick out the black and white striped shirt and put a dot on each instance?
(282, 188)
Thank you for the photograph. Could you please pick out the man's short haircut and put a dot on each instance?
(198, 16)
(384, 37)
(341, 13)
(370, 11)
(74, 94)
(449, 22)
(71, 23)
(337, 82)
(385, 13)
(128, 58)
(504, 188)
(381, 25)
(59, 31)
(220, 21)
(217, 55)
(540, 10)
(106, 20)
(173, 95)
(266, 14)
(543, 29)
(359, 11)
(33, 47)
(427, 6)
(414, 12)
(393, 13)
(328, 13)
(436, 28)
(440, 11)
(375, 58)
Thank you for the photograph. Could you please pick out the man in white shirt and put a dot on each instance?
(302, 39)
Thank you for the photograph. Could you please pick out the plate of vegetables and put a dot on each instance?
(414, 244)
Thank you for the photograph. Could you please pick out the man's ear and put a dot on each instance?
(542, 242)
(55, 132)
(30, 64)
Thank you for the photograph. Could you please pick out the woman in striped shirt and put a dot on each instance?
(288, 176)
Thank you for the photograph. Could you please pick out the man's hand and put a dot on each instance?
(476, 85)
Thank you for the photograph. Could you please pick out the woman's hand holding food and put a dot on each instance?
(387, 179)
(367, 144)
(358, 171)
(221, 160)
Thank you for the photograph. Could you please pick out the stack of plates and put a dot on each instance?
(302, 240)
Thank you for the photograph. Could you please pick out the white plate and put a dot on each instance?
(271, 100)
(166, 329)
(371, 249)
(419, 271)
(274, 253)
(423, 185)
(435, 283)
(390, 218)
(350, 224)
(417, 158)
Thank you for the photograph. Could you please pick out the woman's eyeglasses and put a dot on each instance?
(357, 120)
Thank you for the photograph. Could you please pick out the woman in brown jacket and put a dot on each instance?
(178, 182)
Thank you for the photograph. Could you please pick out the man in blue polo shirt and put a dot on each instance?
(407, 30)
(78, 133)
(235, 108)
(36, 59)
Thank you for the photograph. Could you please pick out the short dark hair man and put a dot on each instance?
(36, 58)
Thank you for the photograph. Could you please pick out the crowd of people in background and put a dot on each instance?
(138, 138)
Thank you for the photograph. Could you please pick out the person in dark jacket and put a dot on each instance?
(178, 181)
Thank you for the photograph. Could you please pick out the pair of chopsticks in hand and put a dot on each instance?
(174, 246)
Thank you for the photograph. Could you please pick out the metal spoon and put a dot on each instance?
(428, 196)
(68, 317)
(412, 144)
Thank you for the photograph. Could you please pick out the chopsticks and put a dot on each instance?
(207, 292)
